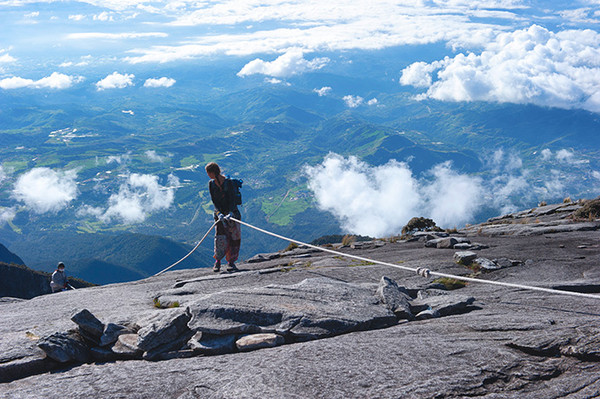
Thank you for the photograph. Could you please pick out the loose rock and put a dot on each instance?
(258, 341)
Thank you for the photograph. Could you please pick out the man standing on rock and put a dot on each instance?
(59, 278)
(228, 233)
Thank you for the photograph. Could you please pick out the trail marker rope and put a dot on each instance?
(421, 271)
(192, 251)
(424, 272)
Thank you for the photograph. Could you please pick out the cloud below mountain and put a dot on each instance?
(290, 63)
(138, 195)
(55, 81)
(45, 190)
(379, 200)
(160, 82)
(115, 81)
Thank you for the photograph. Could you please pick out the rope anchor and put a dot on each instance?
(423, 272)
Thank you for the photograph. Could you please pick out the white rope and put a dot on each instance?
(191, 252)
(424, 272)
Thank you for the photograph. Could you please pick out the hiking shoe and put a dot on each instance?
(231, 267)
(217, 267)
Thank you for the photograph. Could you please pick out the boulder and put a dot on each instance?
(258, 341)
(486, 264)
(89, 325)
(396, 298)
(209, 344)
(111, 333)
(464, 257)
(446, 242)
(127, 346)
(311, 309)
(443, 305)
(65, 347)
(167, 325)
(463, 246)
(172, 346)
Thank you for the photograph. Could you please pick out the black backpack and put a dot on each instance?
(237, 184)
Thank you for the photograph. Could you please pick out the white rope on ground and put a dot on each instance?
(191, 252)
(423, 271)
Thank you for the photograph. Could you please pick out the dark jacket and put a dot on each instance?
(224, 199)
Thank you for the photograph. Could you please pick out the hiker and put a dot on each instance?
(228, 233)
(59, 278)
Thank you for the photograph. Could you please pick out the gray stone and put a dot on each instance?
(165, 326)
(505, 262)
(126, 345)
(313, 308)
(396, 298)
(103, 354)
(172, 346)
(446, 242)
(259, 341)
(65, 347)
(445, 305)
(463, 246)
(88, 323)
(111, 333)
(263, 257)
(486, 264)
(464, 257)
(209, 344)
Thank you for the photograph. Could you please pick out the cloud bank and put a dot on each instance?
(45, 190)
(379, 200)
(54, 81)
(288, 64)
(529, 66)
(138, 196)
(115, 81)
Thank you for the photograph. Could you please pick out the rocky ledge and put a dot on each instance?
(307, 324)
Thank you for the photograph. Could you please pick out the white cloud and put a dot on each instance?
(76, 17)
(138, 196)
(288, 64)
(546, 154)
(531, 65)
(55, 81)
(119, 159)
(379, 200)
(6, 58)
(46, 190)
(353, 101)
(104, 17)
(596, 174)
(373, 101)
(7, 214)
(323, 91)
(153, 156)
(114, 36)
(115, 81)
(160, 82)
(3, 174)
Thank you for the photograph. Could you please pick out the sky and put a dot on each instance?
(518, 51)
(545, 53)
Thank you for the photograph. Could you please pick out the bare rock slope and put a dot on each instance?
(309, 324)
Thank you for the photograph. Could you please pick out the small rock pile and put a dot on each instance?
(248, 319)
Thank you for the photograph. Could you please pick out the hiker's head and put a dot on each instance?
(61, 266)
(213, 170)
